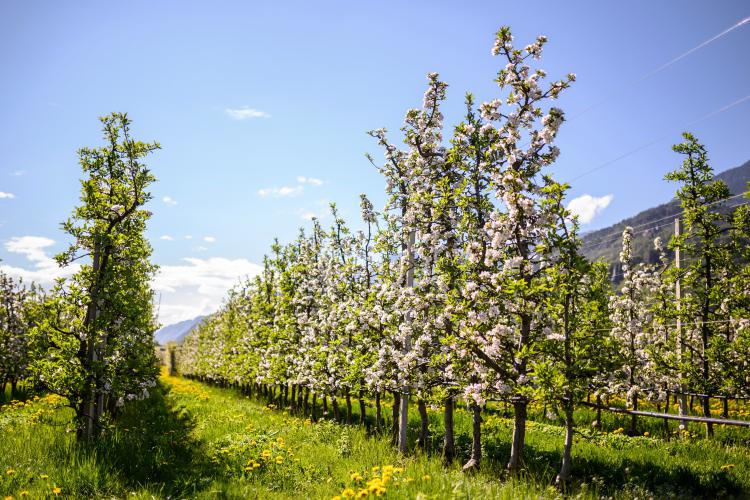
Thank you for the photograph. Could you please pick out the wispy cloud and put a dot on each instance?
(586, 207)
(4, 195)
(44, 269)
(209, 239)
(18, 173)
(166, 237)
(289, 191)
(309, 180)
(283, 191)
(169, 200)
(246, 113)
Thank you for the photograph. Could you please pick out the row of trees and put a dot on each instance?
(471, 283)
(90, 337)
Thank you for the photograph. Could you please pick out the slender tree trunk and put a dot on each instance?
(476, 443)
(325, 406)
(362, 408)
(313, 416)
(519, 436)
(395, 417)
(294, 398)
(348, 407)
(598, 412)
(306, 401)
(634, 418)
(14, 388)
(449, 446)
(378, 411)
(424, 428)
(725, 413)
(563, 477)
(403, 422)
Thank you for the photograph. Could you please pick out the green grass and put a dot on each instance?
(190, 440)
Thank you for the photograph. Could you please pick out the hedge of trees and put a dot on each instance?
(471, 284)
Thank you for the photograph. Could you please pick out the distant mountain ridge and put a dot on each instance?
(177, 331)
(658, 221)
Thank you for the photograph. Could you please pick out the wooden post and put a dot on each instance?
(683, 410)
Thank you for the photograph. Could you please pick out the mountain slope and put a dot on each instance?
(177, 331)
(658, 221)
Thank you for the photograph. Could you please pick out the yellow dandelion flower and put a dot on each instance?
(337, 497)
(646, 434)
(10, 472)
(727, 466)
(355, 476)
(56, 490)
(426, 477)
(348, 493)
(9, 497)
(362, 493)
(279, 459)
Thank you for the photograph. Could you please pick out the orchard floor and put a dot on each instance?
(191, 440)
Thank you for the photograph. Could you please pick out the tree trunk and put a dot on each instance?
(476, 443)
(449, 446)
(378, 411)
(306, 401)
(325, 406)
(314, 417)
(348, 408)
(403, 422)
(294, 398)
(634, 418)
(395, 417)
(725, 413)
(519, 436)
(362, 408)
(563, 477)
(424, 428)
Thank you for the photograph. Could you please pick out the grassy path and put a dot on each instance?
(190, 440)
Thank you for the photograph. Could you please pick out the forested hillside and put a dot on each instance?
(606, 243)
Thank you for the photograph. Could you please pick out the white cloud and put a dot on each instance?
(4, 195)
(586, 207)
(198, 286)
(166, 237)
(209, 239)
(189, 237)
(245, 113)
(169, 200)
(44, 268)
(309, 180)
(18, 173)
(282, 191)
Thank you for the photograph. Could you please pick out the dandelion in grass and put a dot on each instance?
(56, 490)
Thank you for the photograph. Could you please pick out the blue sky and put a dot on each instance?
(319, 76)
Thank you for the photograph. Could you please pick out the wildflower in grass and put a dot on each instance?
(9, 497)
(426, 477)
(348, 493)
(727, 466)
(56, 490)
(24, 493)
(646, 434)
(279, 459)
(355, 476)
(266, 454)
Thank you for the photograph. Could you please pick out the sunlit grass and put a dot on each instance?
(191, 440)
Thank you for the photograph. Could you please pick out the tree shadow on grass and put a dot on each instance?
(152, 448)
